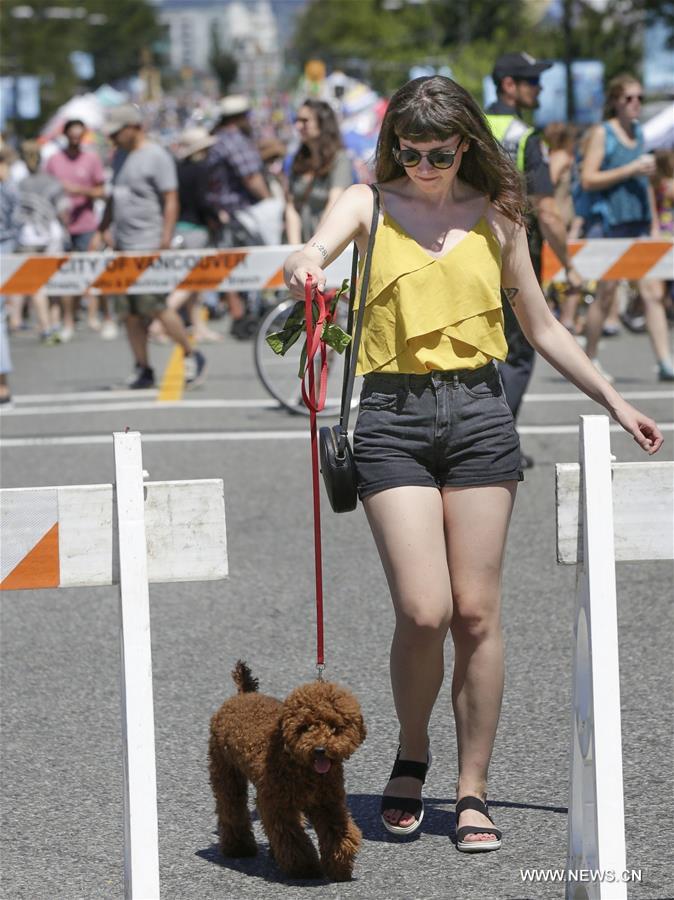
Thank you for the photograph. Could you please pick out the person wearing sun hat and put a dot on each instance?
(517, 77)
(198, 224)
(237, 182)
(198, 218)
(142, 211)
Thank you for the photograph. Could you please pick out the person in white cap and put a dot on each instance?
(143, 209)
(236, 182)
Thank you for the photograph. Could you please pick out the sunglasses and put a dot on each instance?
(439, 159)
(629, 97)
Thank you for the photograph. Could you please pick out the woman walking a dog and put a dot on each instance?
(436, 451)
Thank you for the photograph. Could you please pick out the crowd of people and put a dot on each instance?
(218, 187)
(231, 184)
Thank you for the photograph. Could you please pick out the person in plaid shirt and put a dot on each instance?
(236, 181)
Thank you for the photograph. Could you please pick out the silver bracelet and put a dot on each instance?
(321, 249)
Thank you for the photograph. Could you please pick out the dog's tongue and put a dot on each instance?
(322, 764)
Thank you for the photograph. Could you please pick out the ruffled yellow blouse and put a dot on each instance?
(424, 313)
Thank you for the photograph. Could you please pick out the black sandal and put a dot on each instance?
(462, 833)
(405, 768)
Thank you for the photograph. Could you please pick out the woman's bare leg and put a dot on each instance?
(596, 315)
(476, 524)
(41, 306)
(407, 524)
(653, 295)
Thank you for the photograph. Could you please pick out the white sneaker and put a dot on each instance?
(109, 330)
(66, 334)
(602, 371)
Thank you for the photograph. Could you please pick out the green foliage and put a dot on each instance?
(484, 22)
(379, 44)
(125, 42)
(367, 41)
(223, 63)
(120, 35)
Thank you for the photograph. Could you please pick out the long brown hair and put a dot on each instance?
(434, 108)
(614, 91)
(329, 141)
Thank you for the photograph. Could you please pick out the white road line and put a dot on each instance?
(81, 402)
(84, 395)
(156, 438)
(147, 405)
(226, 436)
(577, 395)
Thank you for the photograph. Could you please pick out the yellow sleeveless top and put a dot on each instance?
(423, 312)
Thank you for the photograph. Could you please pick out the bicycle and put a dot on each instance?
(279, 374)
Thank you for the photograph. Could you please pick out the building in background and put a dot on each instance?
(248, 31)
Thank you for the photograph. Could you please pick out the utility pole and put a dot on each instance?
(567, 30)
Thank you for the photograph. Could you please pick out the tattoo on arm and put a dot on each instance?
(321, 249)
(511, 293)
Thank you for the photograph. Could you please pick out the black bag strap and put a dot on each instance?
(351, 352)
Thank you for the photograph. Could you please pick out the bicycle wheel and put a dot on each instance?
(279, 374)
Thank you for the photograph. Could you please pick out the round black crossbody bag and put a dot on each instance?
(337, 463)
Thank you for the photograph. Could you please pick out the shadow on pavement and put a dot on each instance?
(260, 866)
(438, 818)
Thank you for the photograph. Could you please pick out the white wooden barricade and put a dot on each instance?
(606, 512)
(136, 533)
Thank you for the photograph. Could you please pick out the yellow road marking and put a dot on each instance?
(173, 379)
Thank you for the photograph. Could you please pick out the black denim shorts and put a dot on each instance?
(443, 429)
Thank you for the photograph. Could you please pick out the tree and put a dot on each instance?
(366, 40)
(491, 21)
(223, 63)
(611, 32)
(38, 36)
(378, 40)
(128, 35)
(33, 44)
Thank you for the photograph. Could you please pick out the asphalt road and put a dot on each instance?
(62, 834)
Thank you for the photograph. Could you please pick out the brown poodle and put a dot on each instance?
(292, 752)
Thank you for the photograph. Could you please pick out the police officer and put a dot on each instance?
(517, 79)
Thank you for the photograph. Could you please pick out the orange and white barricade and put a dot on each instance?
(258, 268)
(612, 259)
(130, 534)
(242, 269)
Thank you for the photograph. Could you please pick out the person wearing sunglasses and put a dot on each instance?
(436, 451)
(517, 78)
(616, 171)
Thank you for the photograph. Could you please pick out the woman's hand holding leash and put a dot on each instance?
(298, 279)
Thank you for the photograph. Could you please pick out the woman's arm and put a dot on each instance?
(348, 219)
(558, 347)
(653, 207)
(334, 194)
(558, 162)
(293, 224)
(593, 179)
(341, 177)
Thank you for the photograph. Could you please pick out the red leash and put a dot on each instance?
(315, 404)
